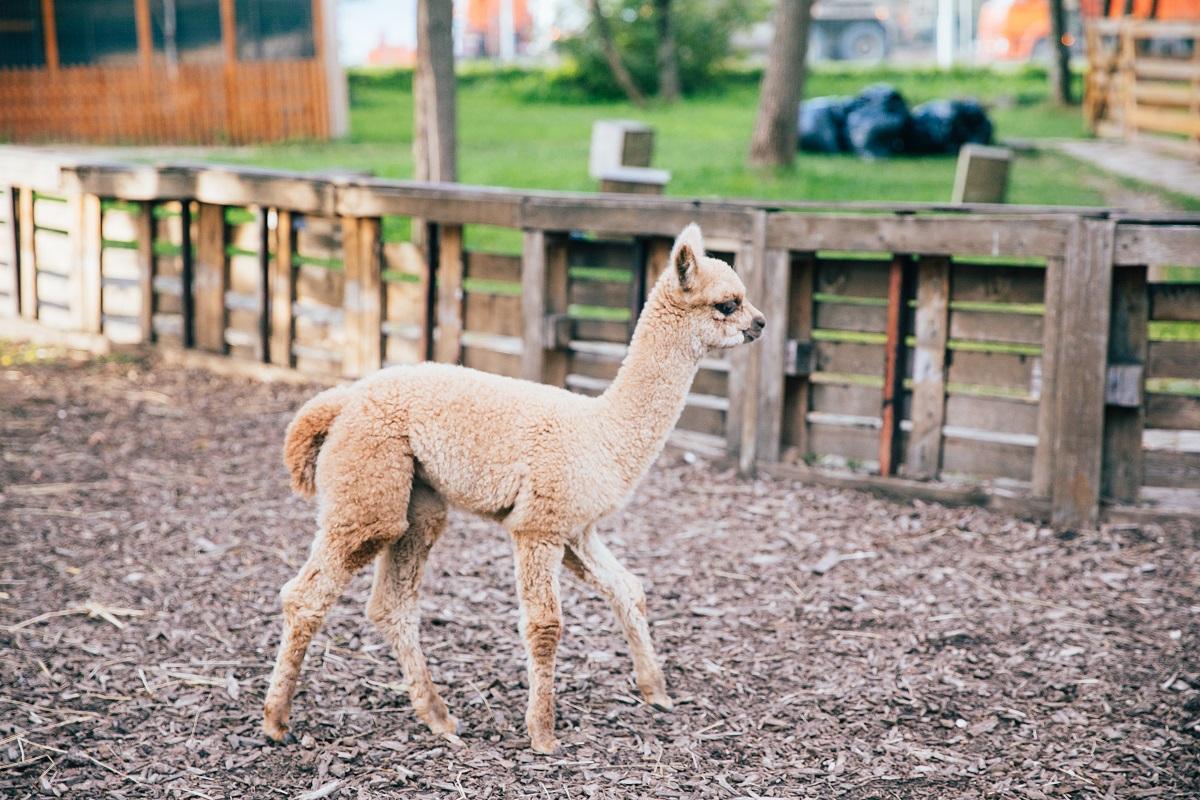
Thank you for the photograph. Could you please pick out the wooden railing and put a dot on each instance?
(1144, 79)
(1043, 359)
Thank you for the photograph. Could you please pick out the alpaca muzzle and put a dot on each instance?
(756, 328)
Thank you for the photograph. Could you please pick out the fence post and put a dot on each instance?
(364, 324)
(187, 273)
(447, 343)
(772, 376)
(28, 255)
(145, 251)
(924, 457)
(210, 278)
(546, 328)
(10, 255)
(799, 332)
(741, 421)
(1125, 414)
(283, 292)
(899, 292)
(1047, 421)
(87, 249)
(1082, 362)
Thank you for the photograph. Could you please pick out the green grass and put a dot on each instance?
(506, 139)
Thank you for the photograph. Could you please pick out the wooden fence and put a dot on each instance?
(1041, 359)
(1143, 81)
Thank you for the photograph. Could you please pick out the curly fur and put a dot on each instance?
(386, 455)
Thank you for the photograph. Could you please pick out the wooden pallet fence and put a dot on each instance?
(916, 349)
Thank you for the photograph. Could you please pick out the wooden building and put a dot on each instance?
(169, 71)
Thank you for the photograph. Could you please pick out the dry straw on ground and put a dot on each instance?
(146, 525)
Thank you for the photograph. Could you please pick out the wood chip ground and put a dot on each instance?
(146, 527)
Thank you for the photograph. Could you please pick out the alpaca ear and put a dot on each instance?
(685, 255)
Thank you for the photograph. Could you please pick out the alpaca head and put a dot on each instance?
(711, 294)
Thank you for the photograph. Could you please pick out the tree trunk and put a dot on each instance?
(622, 76)
(1060, 55)
(668, 60)
(434, 116)
(774, 139)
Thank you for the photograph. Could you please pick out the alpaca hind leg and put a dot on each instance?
(306, 600)
(394, 609)
(591, 560)
(537, 568)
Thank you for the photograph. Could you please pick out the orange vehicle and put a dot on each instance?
(1019, 30)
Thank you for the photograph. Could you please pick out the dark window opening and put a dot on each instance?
(274, 30)
(22, 42)
(187, 31)
(96, 32)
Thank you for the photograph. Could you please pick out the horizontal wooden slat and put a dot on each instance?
(991, 369)
(596, 330)
(849, 358)
(53, 251)
(600, 253)
(121, 300)
(987, 459)
(991, 326)
(120, 263)
(965, 235)
(1181, 122)
(320, 285)
(1171, 69)
(119, 225)
(493, 266)
(1172, 411)
(852, 278)
(53, 288)
(861, 401)
(1163, 94)
(1171, 469)
(599, 293)
(318, 241)
(499, 314)
(845, 317)
(492, 360)
(1175, 302)
(53, 214)
(860, 444)
(999, 414)
(1152, 245)
(994, 283)
(1174, 360)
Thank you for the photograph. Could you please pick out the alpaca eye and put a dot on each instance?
(728, 307)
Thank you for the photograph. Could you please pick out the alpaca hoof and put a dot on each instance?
(445, 726)
(546, 745)
(279, 736)
(662, 703)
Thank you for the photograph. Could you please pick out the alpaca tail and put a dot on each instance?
(306, 434)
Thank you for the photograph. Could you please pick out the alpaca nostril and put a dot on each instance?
(760, 323)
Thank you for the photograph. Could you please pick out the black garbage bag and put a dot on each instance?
(943, 126)
(822, 125)
(877, 122)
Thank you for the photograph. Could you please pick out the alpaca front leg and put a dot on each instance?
(306, 600)
(591, 560)
(538, 564)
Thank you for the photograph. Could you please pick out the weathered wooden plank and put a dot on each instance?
(27, 253)
(210, 279)
(852, 444)
(599, 293)
(1175, 302)
(120, 263)
(543, 298)
(636, 215)
(10, 254)
(964, 235)
(984, 459)
(1174, 360)
(318, 240)
(88, 269)
(120, 225)
(1002, 370)
(187, 294)
(772, 379)
(923, 459)
(362, 296)
(492, 361)
(849, 358)
(843, 317)
(1171, 469)
(991, 326)
(494, 266)
(741, 420)
(601, 331)
(996, 414)
(899, 291)
(283, 293)
(55, 290)
(1121, 474)
(848, 278)
(796, 397)
(488, 313)
(1172, 411)
(1081, 373)
(54, 214)
(601, 253)
(1177, 245)
(447, 346)
(145, 264)
(54, 251)
(996, 283)
(850, 399)
(1043, 462)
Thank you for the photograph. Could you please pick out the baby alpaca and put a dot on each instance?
(388, 454)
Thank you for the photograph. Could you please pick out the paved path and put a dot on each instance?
(1139, 162)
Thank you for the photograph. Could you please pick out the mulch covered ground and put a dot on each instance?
(146, 526)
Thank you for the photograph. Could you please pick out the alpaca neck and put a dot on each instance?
(644, 401)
